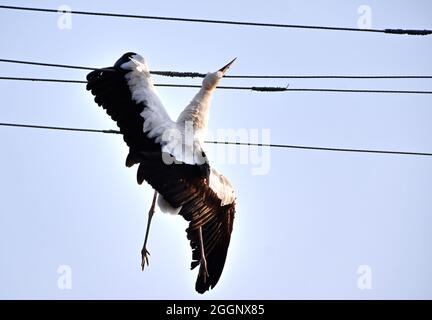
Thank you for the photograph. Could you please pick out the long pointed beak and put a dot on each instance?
(226, 67)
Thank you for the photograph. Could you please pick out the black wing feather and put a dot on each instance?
(200, 205)
(112, 93)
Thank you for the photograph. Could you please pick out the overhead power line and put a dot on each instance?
(167, 85)
(43, 64)
(192, 74)
(225, 22)
(253, 88)
(32, 126)
(250, 144)
(43, 80)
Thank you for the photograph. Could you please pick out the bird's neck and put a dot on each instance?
(197, 112)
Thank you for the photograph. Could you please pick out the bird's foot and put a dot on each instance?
(203, 269)
(144, 258)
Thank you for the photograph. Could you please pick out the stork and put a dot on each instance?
(171, 158)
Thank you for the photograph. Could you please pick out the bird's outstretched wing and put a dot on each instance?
(208, 203)
(206, 198)
(127, 94)
(217, 224)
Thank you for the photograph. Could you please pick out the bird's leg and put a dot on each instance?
(144, 252)
(203, 262)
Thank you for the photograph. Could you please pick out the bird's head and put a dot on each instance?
(212, 79)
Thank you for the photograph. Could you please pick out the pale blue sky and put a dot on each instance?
(300, 232)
